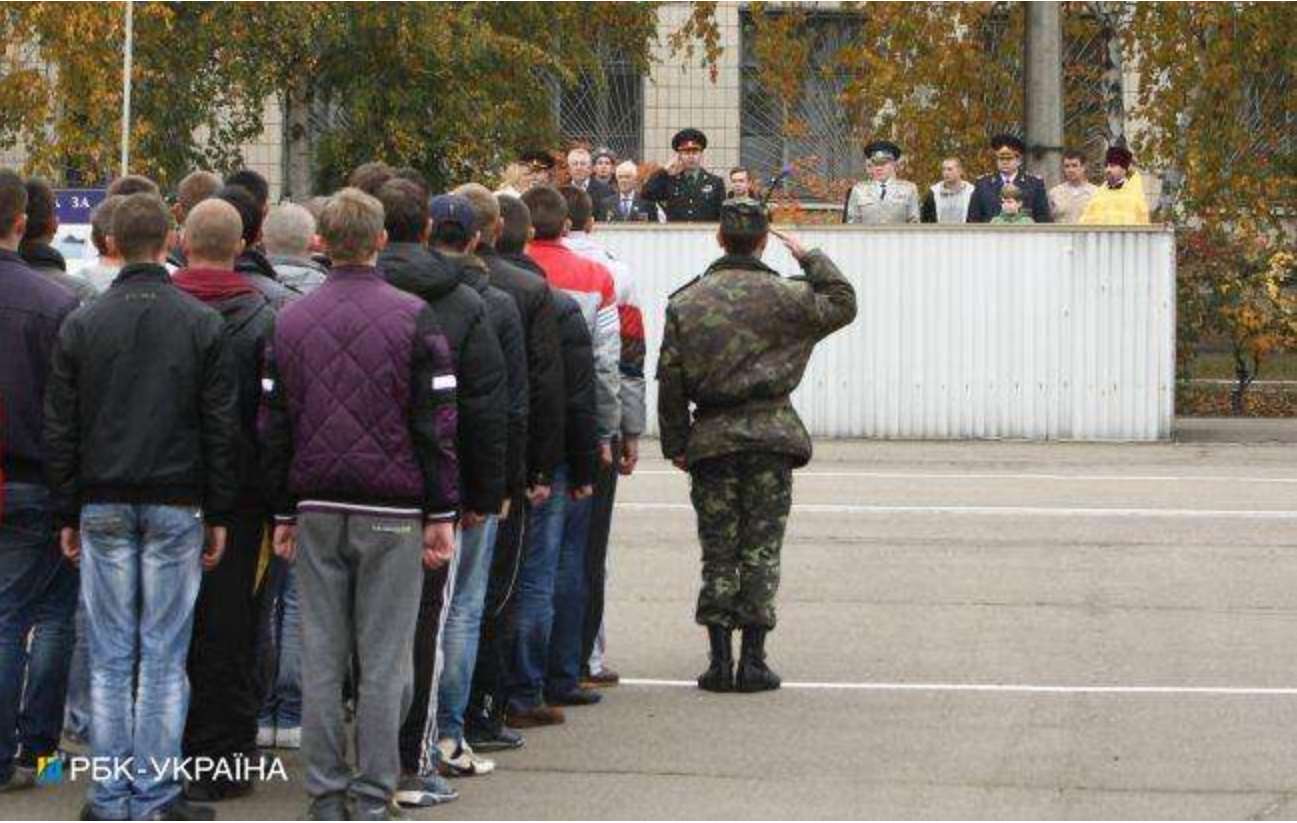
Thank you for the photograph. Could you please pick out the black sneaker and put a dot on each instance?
(329, 807)
(489, 734)
(182, 809)
(214, 791)
(576, 697)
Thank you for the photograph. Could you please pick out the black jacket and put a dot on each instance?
(580, 438)
(47, 260)
(546, 393)
(32, 308)
(598, 191)
(249, 325)
(483, 391)
(641, 210)
(142, 406)
(253, 265)
(985, 203)
(506, 321)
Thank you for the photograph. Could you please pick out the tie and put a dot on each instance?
(882, 191)
(625, 208)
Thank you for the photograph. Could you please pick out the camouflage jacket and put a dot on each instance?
(736, 343)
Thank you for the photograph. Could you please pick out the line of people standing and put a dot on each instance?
(378, 434)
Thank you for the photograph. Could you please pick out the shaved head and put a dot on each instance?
(213, 232)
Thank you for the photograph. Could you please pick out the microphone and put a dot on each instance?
(775, 182)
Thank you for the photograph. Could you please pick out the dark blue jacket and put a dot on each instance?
(32, 307)
(986, 197)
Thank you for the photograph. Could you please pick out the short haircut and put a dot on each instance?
(738, 169)
(41, 219)
(254, 183)
(140, 227)
(133, 184)
(548, 211)
(580, 150)
(517, 222)
(196, 187)
(451, 234)
(741, 244)
(1011, 192)
(249, 210)
(101, 222)
(405, 210)
(213, 230)
(370, 177)
(13, 201)
(486, 209)
(580, 208)
(1075, 154)
(315, 205)
(952, 159)
(288, 229)
(351, 225)
(627, 165)
(414, 176)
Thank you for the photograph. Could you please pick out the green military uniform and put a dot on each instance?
(736, 343)
(688, 197)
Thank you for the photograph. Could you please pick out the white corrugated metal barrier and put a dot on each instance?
(1035, 332)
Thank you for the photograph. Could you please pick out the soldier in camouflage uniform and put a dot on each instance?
(736, 344)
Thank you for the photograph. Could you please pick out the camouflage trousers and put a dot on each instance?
(742, 503)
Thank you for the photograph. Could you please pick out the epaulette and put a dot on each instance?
(685, 286)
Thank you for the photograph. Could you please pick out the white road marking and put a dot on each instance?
(1018, 688)
(1009, 511)
(1077, 478)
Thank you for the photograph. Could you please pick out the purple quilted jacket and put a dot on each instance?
(358, 402)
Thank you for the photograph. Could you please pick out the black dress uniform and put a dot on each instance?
(985, 202)
(688, 197)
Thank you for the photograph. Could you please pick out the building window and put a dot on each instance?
(605, 110)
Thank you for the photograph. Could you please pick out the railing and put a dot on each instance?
(1035, 332)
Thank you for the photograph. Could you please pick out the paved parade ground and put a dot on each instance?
(967, 630)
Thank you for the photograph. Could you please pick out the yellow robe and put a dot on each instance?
(1125, 206)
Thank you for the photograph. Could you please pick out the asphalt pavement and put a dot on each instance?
(966, 630)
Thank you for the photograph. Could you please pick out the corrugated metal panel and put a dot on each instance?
(1038, 332)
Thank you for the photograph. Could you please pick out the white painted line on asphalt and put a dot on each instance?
(1079, 478)
(996, 687)
(1012, 511)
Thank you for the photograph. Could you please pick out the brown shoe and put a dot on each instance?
(531, 718)
(605, 679)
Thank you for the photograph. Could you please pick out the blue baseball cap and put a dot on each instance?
(452, 208)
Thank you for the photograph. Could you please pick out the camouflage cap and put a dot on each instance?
(743, 215)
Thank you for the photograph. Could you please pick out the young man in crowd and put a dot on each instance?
(143, 496)
(740, 182)
(252, 263)
(42, 224)
(625, 445)
(947, 200)
(38, 589)
(196, 187)
(483, 399)
(455, 235)
(226, 697)
(547, 663)
(104, 270)
(288, 234)
(1067, 200)
(363, 499)
(513, 271)
(1011, 212)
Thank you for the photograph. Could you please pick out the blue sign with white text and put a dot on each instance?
(75, 205)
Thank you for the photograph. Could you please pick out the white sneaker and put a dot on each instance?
(288, 738)
(265, 737)
(458, 760)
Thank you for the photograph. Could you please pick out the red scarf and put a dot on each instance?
(212, 285)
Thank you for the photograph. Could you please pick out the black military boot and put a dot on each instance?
(719, 676)
(753, 674)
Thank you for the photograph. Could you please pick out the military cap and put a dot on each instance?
(686, 137)
(743, 215)
(538, 159)
(882, 151)
(1001, 141)
(1119, 156)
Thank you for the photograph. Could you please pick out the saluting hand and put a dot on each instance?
(794, 246)
(675, 166)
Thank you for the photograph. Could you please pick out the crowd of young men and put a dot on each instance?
(351, 457)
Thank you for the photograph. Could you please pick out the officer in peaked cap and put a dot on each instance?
(985, 202)
(735, 345)
(884, 198)
(541, 164)
(686, 191)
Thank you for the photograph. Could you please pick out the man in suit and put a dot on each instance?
(580, 168)
(626, 206)
(1008, 162)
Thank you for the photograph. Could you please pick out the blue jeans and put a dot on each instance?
(38, 596)
(76, 717)
(140, 573)
(535, 597)
(283, 708)
(464, 627)
(571, 597)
